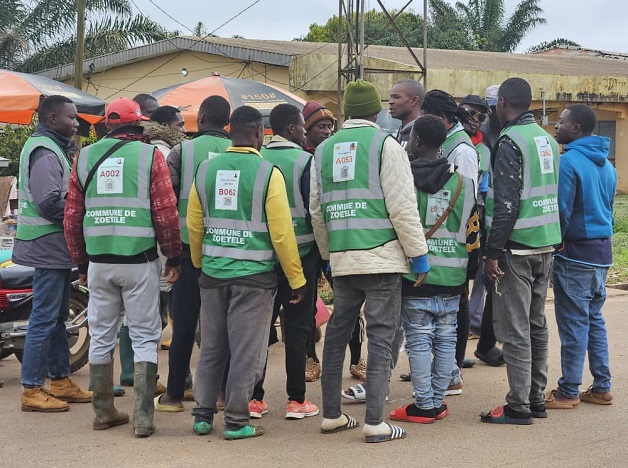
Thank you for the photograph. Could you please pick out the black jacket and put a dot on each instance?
(506, 162)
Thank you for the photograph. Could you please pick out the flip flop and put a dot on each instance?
(355, 393)
(165, 408)
(498, 416)
(396, 432)
(245, 432)
(351, 423)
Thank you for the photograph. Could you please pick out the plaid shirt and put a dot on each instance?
(163, 207)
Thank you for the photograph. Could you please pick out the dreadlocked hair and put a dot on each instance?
(442, 104)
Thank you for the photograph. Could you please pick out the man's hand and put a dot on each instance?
(172, 274)
(492, 270)
(83, 279)
(298, 294)
(419, 279)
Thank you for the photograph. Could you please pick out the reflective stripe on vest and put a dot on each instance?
(454, 140)
(292, 162)
(31, 224)
(118, 223)
(539, 229)
(354, 210)
(257, 223)
(193, 152)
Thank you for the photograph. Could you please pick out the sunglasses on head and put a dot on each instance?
(473, 113)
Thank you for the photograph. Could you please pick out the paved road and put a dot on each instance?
(589, 436)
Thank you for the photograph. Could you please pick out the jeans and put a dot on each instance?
(579, 294)
(520, 323)
(381, 294)
(430, 327)
(186, 300)
(46, 348)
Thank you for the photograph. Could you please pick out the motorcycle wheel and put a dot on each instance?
(78, 341)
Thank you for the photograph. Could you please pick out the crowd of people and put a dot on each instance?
(445, 232)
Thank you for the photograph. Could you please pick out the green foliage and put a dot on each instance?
(619, 271)
(12, 139)
(558, 42)
(35, 35)
(475, 25)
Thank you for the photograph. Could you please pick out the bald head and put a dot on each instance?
(405, 100)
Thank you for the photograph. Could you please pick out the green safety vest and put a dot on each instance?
(352, 201)
(454, 140)
(30, 222)
(292, 162)
(232, 188)
(484, 154)
(447, 248)
(538, 223)
(117, 217)
(193, 152)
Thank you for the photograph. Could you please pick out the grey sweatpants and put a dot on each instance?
(117, 289)
(520, 323)
(381, 296)
(235, 324)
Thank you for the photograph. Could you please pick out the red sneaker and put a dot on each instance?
(295, 410)
(257, 408)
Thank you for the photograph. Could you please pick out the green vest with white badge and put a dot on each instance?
(31, 224)
(117, 217)
(193, 152)
(447, 248)
(292, 162)
(352, 201)
(538, 223)
(232, 188)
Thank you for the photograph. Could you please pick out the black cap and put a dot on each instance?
(474, 100)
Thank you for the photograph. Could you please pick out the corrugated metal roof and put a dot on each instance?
(280, 53)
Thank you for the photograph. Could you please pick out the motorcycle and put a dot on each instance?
(16, 301)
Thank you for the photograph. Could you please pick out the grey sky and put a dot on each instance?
(593, 24)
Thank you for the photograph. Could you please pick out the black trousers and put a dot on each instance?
(462, 330)
(186, 302)
(487, 335)
(297, 327)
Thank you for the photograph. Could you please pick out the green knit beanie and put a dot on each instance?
(361, 99)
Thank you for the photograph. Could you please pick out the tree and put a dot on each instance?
(559, 42)
(474, 25)
(44, 31)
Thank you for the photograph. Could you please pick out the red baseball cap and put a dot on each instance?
(126, 110)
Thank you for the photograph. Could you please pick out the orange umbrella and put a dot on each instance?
(189, 96)
(20, 94)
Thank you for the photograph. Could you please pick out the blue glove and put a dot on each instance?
(419, 264)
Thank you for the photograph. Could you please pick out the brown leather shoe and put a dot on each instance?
(160, 389)
(38, 399)
(556, 400)
(601, 398)
(66, 390)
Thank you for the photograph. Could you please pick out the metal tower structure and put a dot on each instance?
(351, 39)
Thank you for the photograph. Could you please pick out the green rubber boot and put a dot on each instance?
(126, 358)
(101, 377)
(145, 379)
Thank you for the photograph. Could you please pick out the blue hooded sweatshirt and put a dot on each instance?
(586, 189)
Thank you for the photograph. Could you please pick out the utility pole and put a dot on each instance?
(80, 44)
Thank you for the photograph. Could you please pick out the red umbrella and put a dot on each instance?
(188, 96)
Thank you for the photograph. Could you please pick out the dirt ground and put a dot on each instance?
(589, 436)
